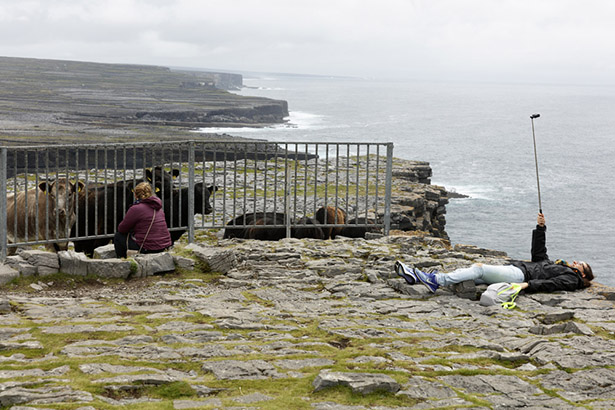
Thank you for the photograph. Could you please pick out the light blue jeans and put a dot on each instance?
(482, 274)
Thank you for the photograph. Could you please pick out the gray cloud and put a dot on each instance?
(505, 40)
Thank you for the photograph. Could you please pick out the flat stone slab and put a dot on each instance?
(362, 383)
(19, 395)
(303, 363)
(253, 398)
(149, 379)
(196, 404)
(11, 374)
(57, 330)
(241, 370)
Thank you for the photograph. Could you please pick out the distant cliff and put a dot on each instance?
(221, 81)
(54, 101)
(227, 81)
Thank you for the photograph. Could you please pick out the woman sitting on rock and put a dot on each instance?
(144, 227)
(539, 275)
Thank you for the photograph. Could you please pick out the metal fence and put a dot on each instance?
(245, 177)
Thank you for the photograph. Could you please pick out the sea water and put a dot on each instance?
(478, 140)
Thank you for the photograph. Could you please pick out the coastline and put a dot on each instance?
(76, 102)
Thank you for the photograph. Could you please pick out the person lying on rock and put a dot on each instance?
(539, 275)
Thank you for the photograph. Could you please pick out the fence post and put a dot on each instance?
(387, 193)
(3, 205)
(191, 161)
(287, 197)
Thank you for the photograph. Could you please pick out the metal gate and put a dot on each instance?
(293, 179)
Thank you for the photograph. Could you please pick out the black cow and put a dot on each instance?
(100, 208)
(360, 228)
(254, 220)
(177, 214)
(310, 230)
(241, 226)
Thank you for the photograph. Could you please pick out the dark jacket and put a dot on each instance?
(543, 275)
(138, 219)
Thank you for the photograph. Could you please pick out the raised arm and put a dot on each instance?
(539, 240)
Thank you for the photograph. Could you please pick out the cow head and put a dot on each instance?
(61, 195)
(202, 196)
(161, 180)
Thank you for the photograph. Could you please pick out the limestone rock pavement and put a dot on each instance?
(324, 323)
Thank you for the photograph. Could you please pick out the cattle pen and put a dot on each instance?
(204, 185)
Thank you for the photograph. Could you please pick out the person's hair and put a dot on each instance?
(589, 275)
(143, 190)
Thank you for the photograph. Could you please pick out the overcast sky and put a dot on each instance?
(554, 41)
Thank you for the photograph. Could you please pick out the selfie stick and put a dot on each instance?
(536, 160)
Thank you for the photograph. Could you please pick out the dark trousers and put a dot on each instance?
(124, 241)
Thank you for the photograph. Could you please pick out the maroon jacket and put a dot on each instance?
(138, 219)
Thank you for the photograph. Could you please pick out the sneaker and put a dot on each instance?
(405, 272)
(427, 279)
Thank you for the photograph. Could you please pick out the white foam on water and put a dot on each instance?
(296, 120)
(484, 192)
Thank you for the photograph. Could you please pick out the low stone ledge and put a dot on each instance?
(78, 264)
(105, 252)
(218, 260)
(34, 262)
(73, 263)
(153, 263)
(110, 268)
(7, 274)
(183, 263)
(5, 306)
(19, 264)
(40, 258)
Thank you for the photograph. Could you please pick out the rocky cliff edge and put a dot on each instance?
(302, 324)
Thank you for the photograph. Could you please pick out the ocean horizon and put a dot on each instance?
(478, 139)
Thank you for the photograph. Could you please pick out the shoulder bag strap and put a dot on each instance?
(147, 233)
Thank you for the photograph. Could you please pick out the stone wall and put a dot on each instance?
(105, 265)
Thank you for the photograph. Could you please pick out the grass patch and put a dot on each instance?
(173, 390)
(252, 298)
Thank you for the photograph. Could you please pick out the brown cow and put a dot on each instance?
(331, 215)
(43, 213)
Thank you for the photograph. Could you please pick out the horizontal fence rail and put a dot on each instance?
(241, 188)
